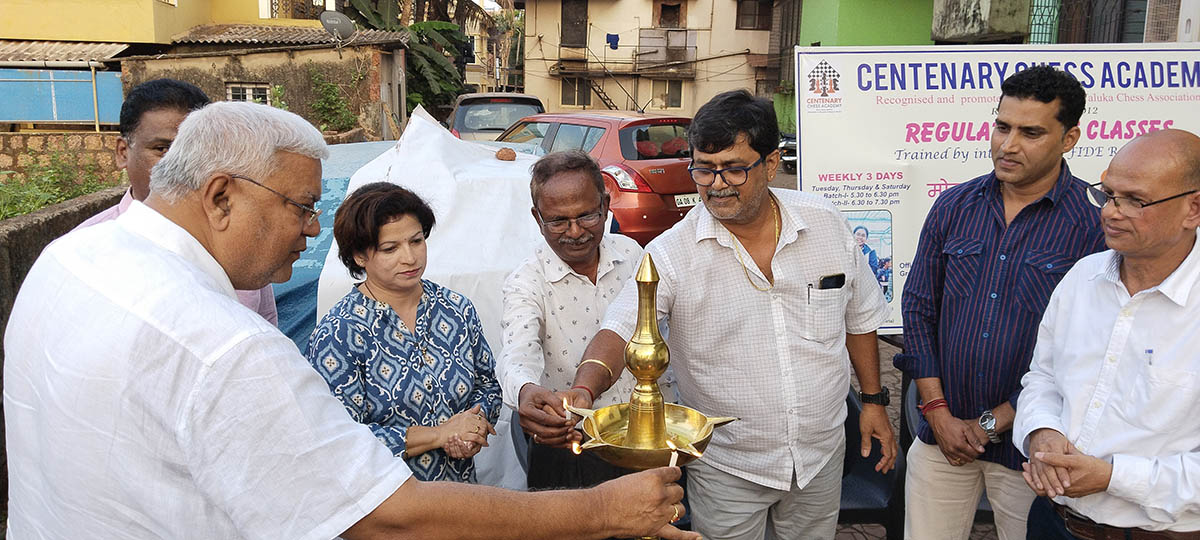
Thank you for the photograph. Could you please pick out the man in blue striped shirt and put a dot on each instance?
(991, 251)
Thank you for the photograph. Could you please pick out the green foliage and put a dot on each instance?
(277, 97)
(333, 111)
(433, 79)
(65, 176)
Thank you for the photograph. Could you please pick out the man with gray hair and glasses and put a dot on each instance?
(162, 408)
(553, 303)
(1107, 414)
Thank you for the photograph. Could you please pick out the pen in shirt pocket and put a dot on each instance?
(809, 293)
(1150, 357)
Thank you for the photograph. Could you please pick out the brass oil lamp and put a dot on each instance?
(639, 434)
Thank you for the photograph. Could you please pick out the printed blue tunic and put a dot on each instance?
(390, 377)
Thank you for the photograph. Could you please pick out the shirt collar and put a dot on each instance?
(126, 201)
(1055, 195)
(141, 220)
(790, 224)
(1177, 287)
(555, 269)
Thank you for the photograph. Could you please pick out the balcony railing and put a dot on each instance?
(662, 53)
(297, 9)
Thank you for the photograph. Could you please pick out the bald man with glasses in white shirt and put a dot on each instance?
(1108, 411)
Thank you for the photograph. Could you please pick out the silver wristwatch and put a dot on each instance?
(988, 422)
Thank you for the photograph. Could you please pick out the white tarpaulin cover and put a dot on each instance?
(484, 230)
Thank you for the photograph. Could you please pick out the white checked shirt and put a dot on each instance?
(160, 407)
(551, 314)
(775, 359)
(1120, 377)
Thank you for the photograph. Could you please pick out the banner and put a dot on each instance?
(885, 130)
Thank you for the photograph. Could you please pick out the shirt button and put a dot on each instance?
(986, 335)
(1049, 266)
(993, 295)
(960, 252)
(1111, 359)
(1095, 404)
(1003, 257)
(793, 411)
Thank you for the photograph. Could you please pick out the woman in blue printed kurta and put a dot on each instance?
(406, 356)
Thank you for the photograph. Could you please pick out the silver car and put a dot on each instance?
(484, 116)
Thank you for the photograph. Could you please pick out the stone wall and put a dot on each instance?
(22, 239)
(20, 150)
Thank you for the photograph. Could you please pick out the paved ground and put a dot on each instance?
(891, 378)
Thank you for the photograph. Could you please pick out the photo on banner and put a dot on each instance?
(887, 130)
(873, 236)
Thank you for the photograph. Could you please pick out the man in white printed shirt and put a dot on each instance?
(162, 408)
(769, 302)
(1108, 411)
(553, 304)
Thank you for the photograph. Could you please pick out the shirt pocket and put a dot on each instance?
(1161, 399)
(962, 257)
(1040, 273)
(825, 314)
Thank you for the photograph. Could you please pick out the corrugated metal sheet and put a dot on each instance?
(57, 51)
(214, 34)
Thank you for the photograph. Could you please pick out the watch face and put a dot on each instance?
(987, 421)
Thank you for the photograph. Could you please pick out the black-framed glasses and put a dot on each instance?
(312, 213)
(1127, 206)
(559, 226)
(733, 176)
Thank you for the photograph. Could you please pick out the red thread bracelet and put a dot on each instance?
(591, 394)
(933, 404)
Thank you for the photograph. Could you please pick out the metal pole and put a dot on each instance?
(95, 100)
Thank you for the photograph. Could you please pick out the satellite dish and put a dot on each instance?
(338, 25)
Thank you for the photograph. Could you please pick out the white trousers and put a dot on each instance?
(940, 499)
(725, 507)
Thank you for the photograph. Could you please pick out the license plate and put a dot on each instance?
(684, 201)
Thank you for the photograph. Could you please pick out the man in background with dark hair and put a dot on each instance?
(150, 117)
(769, 304)
(991, 251)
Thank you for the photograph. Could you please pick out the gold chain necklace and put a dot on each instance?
(738, 252)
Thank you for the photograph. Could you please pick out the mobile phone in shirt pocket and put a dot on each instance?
(824, 313)
(962, 265)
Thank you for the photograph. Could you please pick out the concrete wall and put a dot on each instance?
(356, 72)
(866, 22)
(21, 241)
(716, 36)
(972, 21)
(19, 150)
(124, 21)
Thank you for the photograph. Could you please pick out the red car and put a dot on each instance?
(644, 158)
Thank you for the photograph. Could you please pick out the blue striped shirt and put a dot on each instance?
(977, 289)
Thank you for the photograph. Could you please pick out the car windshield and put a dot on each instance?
(489, 116)
(655, 141)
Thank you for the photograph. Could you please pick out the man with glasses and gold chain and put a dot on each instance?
(553, 304)
(769, 305)
(1108, 410)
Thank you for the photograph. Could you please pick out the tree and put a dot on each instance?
(433, 80)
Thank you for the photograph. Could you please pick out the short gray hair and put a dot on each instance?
(231, 137)
(556, 163)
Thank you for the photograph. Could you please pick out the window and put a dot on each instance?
(668, 94)
(575, 91)
(240, 91)
(568, 137)
(754, 14)
(532, 133)
(669, 14)
(658, 141)
(574, 23)
(593, 137)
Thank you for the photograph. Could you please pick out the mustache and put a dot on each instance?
(727, 192)
(576, 241)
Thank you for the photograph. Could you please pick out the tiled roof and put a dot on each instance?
(214, 34)
(57, 51)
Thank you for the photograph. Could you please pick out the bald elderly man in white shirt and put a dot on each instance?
(1108, 411)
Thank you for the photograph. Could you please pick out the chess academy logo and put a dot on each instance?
(823, 95)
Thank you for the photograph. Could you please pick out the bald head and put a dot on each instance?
(1169, 156)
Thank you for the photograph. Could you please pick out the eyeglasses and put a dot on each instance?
(312, 213)
(1128, 206)
(560, 226)
(733, 176)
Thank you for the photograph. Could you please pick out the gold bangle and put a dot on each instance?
(611, 376)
